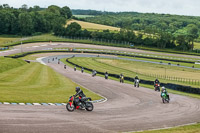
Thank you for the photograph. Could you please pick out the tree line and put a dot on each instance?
(74, 30)
(30, 21)
(184, 30)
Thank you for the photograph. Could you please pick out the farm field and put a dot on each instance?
(83, 16)
(34, 82)
(93, 26)
(196, 45)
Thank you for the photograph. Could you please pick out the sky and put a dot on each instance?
(180, 7)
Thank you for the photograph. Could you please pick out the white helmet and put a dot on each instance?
(163, 88)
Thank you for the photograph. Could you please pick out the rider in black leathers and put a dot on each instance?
(136, 77)
(156, 82)
(80, 93)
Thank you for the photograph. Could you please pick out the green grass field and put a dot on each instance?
(6, 40)
(36, 83)
(184, 129)
(83, 16)
(147, 71)
(196, 45)
(8, 63)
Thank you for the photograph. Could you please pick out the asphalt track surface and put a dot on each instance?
(127, 109)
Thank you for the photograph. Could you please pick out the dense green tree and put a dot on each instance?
(26, 23)
(73, 29)
(192, 34)
(66, 12)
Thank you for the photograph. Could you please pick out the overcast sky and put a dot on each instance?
(181, 7)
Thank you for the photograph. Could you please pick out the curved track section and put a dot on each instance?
(127, 109)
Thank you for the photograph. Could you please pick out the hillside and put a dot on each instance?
(93, 26)
(147, 22)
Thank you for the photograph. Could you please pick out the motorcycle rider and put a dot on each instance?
(121, 78)
(80, 93)
(74, 68)
(94, 72)
(136, 78)
(156, 82)
(82, 69)
(106, 75)
(164, 91)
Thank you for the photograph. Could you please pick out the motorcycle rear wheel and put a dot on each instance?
(163, 100)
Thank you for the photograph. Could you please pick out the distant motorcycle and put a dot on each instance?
(122, 79)
(164, 97)
(106, 76)
(136, 83)
(76, 103)
(157, 87)
(94, 73)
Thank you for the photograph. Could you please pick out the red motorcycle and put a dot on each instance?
(157, 87)
(78, 103)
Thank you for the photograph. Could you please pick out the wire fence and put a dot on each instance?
(173, 78)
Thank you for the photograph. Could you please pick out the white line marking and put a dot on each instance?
(40, 60)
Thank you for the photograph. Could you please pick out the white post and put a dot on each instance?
(21, 47)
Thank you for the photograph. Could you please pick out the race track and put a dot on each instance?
(127, 109)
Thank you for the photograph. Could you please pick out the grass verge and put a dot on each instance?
(102, 68)
(37, 83)
(183, 129)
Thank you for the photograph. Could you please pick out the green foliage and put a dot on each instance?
(27, 21)
(167, 28)
(73, 29)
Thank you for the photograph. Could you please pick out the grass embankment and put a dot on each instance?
(118, 66)
(8, 63)
(184, 129)
(93, 26)
(131, 68)
(7, 40)
(36, 83)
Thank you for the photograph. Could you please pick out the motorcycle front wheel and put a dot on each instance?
(89, 106)
(70, 108)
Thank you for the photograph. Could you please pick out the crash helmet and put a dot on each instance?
(77, 89)
(163, 88)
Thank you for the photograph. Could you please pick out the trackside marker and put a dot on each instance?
(36, 104)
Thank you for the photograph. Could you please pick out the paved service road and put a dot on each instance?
(127, 109)
(46, 46)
